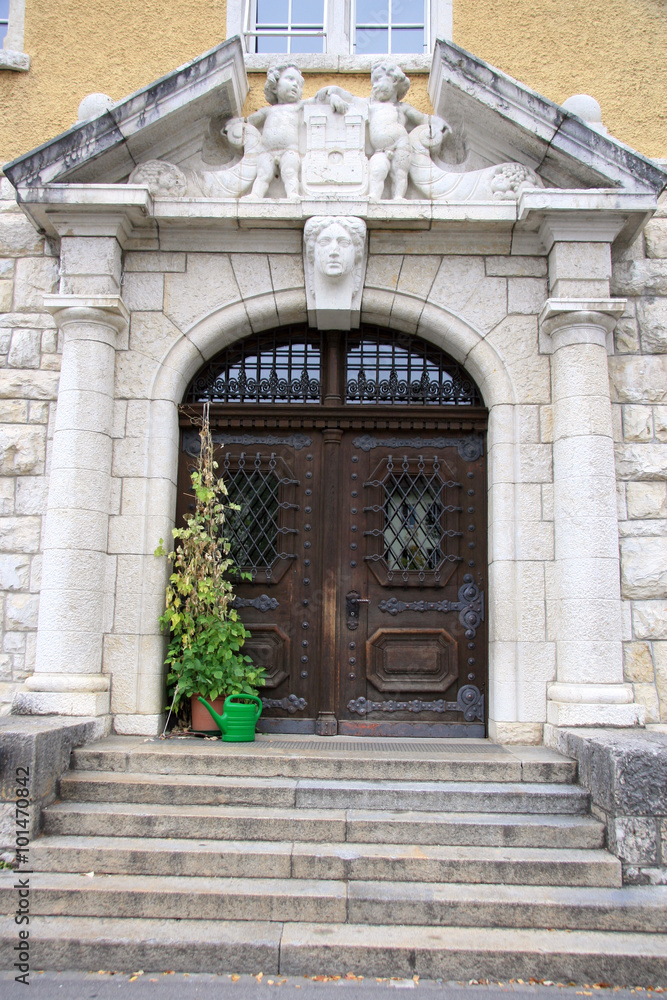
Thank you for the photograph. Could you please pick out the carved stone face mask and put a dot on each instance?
(334, 251)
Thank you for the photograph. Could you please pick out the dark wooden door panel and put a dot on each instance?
(413, 544)
(275, 479)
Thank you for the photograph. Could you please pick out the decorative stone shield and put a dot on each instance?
(335, 150)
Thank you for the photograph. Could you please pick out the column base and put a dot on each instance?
(515, 732)
(88, 703)
(139, 725)
(568, 714)
(592, 705)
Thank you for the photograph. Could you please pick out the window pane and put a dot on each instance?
(407, 40)
(307, 12)
(307, 44)
(371, 41)
(272, 12)
(3, 31)
(407, 12)
(372, 12)
(4, 10)
(271, 44)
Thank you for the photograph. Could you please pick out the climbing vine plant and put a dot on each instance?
(206, 636)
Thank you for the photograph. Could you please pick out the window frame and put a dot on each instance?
(389, 26)
(251, 33)
(12, 56)
(339, 53)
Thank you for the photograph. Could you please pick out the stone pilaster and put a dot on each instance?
(73, 612)
(586, 600)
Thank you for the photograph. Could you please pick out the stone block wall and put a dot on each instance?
(167, 289)
(638, 373)
(625, 772)
(29, 372)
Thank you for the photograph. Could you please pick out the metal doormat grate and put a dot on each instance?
(366, 746)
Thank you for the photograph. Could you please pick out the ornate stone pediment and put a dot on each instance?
(179, 151)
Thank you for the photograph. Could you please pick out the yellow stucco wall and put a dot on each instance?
(96, 45)
(613, 49)
(356, 83)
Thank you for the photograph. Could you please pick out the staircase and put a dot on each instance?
(300, 855)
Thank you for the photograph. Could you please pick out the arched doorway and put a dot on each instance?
(358, 462)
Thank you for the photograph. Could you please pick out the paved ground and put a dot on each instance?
(179, 986)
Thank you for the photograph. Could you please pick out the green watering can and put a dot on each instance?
(237, 722)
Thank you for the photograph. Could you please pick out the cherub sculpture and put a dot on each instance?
(390, 119)
(280, 126)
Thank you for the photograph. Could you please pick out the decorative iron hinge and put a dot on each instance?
(263, 603)
(470, 606)
(469, 700)
(291, 703)
(192, 444)
(469, 448)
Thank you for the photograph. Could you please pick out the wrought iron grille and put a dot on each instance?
(267, 368)
(413, 535)
(254, 530)
(387, 367)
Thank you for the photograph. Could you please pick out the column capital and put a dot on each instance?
(565, 321)
(103, 310)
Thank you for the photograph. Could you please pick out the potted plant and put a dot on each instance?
(206, 636)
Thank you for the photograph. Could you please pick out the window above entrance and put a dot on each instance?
(369, 366)
(268, 368)
(335, 28)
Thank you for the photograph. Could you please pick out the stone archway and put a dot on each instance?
(358, 463)
(451, 333)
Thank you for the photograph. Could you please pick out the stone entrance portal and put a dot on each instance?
(359, 466)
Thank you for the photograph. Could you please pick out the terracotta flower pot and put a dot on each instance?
(201, 719)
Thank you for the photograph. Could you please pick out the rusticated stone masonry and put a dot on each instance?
(638, 373)
(29, 371)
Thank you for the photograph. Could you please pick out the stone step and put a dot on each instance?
(461, 953)
(179, 897)
(277, 859)
(424, 796)
(631, 909)
(457, 953)
(356, 826)
(269, 758)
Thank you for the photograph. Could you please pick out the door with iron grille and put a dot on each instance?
(358, 465)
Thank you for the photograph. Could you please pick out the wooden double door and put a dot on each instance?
(365, 535)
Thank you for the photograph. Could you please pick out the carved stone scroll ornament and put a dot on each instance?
(502, 182)
(469, 700)
(166, 180)
(335, 264)
(470, 606)
(291, 703)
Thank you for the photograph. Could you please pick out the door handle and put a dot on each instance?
(352, 602)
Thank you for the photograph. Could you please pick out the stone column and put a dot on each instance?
(68, 678)
(75, 597)
(589, 688)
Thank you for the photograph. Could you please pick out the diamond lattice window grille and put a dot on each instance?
(414, 508)
(254, 531)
